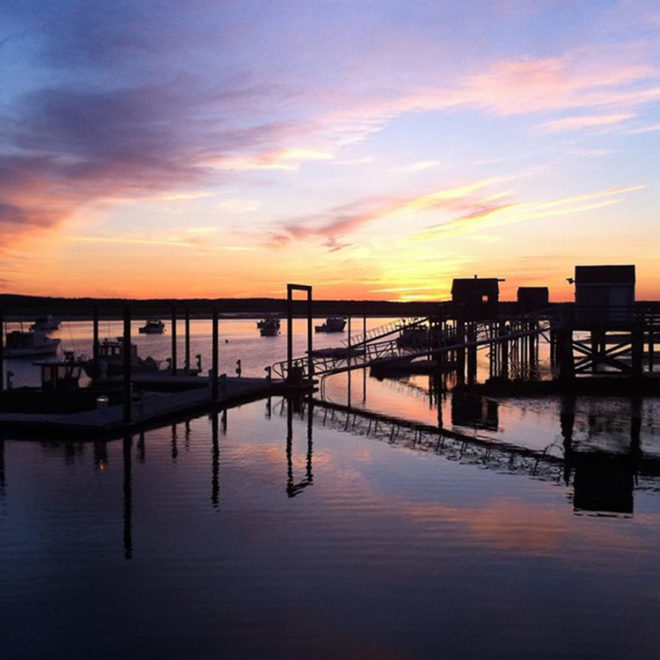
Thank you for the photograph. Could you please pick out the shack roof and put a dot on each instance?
(533, 292)
(472, 286)
(604, 275)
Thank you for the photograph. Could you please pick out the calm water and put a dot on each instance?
(279, 529)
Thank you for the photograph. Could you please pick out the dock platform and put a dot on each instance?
(150, 408)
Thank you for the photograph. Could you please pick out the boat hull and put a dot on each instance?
(48, 349)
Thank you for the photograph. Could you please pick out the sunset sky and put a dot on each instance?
(371, 148)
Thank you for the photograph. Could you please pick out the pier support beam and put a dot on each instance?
(2, 349)
(214, 355)
(128, 412)
(565, 354)
(460, 352)
(471, 354)
(187, 345)
(95, 338)
(173, 365)
(290, 288)
(637, 337)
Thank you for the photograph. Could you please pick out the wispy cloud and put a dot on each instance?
(585, 121)
(342, 221)
(512, 213)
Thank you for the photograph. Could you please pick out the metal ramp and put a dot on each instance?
(383, 330)
(447, 337)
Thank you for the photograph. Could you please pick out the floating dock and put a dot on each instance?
(149, 408)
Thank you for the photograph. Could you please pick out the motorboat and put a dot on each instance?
(111, 360)
(269, 326)
(45, 323)
(415, 337)
(28, 343)
(152, 327)
(332, 324)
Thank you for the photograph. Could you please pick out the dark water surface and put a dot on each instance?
(269, 534)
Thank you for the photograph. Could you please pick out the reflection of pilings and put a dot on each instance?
(100, 454)
(292, 488)
(175, 449)
(566, 422)
(2, 466)
(215, 461)
(451, 445)
(142, 452)
(128, 498)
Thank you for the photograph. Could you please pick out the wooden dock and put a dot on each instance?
(149, 408)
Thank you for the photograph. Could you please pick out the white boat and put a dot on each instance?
(45, 323)
(332, 324)
(27, 343)
(152, 327)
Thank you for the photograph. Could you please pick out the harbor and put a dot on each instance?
(322, 460)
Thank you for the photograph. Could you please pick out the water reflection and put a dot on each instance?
(474, 411)
(603, 481)
(215, 459)
(127, 490)
(295, 404)
(2, 466)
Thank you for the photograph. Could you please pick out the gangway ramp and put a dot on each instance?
(447, 337)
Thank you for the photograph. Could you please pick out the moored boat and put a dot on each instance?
(111, 360)
(28, 343)
(269, 326)
(152, 327)
(332, 324)
(45, 323)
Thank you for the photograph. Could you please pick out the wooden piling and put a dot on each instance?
(187, 344)
(173, 365)
(637, 339)
(128, 413)
(471, 354)
(214, 355)
(95, 339)
(2, 349)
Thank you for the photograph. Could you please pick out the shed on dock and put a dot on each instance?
(475, 297)
(532, 298)
(604, 296)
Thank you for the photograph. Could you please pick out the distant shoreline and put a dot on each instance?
(19, 307)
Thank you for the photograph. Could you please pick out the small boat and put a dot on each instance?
(332, 324)
(111, 360)
(413, 338)
(45, 323)
(27, 343)
(269, 327)
(152, 327)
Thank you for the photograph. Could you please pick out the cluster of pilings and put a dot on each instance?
(513, 349)
(627, 349)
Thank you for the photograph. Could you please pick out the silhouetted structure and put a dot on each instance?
(475, 298)
(604, 296)
(532, 298)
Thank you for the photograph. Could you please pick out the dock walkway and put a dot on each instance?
(148, 408)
